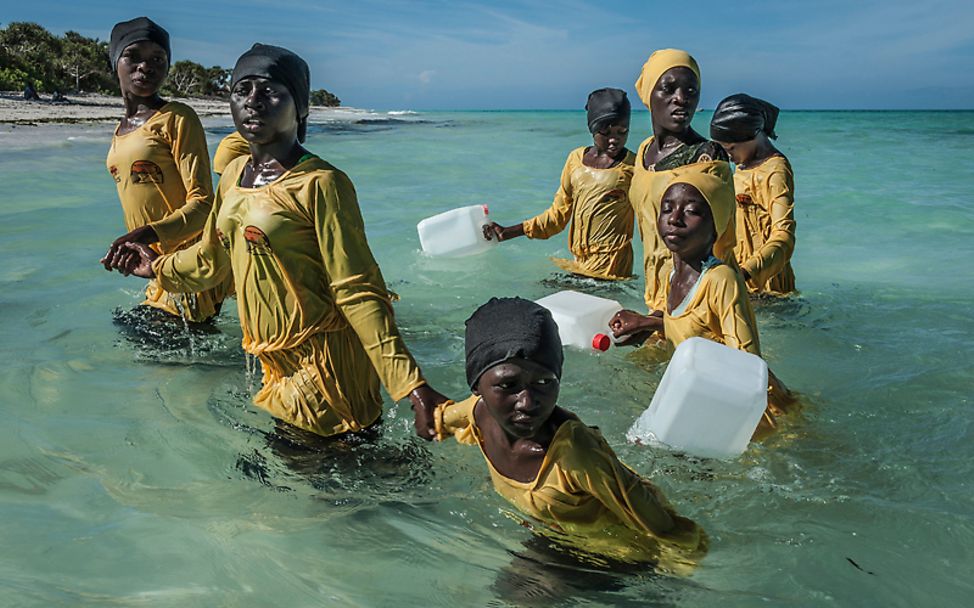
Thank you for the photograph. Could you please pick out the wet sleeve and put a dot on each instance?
(456, 420)
(729, 305)
(771, 258)
(357, 284)
(554, 220)
(202, 266)
(193, 163)
(596, 470)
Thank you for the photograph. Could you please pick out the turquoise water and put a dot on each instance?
(132, 476)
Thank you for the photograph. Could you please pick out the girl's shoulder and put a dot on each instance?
(576, 444)
(179, 113)
(720, 283)
(775, 163)
(576, 156)
(179, 109)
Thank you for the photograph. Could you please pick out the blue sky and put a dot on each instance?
(390, 54)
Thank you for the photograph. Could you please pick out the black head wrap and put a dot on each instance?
(507, 328)
(740, 117)
(280, 65)
(606, 106)
(137, 30)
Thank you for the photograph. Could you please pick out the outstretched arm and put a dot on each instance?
(361, 295)
(632, 329)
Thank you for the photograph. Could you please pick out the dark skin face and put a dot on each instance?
(751, 153)
(265, 114)
(609, 146)
(608, 149)
(516, 416)
(686, 225)
(141, 71)
(672, 105)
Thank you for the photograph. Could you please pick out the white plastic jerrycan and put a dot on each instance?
(709, 402)
(457, 232)
(583, 320)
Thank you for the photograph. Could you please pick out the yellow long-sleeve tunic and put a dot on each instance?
(588, 497)
(162, 172)
(229, 148)
(312, 302)
(766, 225)
(596, 202)
(657, 260)
(718, 309)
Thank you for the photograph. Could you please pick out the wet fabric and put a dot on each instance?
(741, 117)
(646, 183)
(280, 65)
(596, 203)
(719, 310)
(658, 64)
(713, 182)
(585, 496)
(312, 303)
(162, 174)
(766, 225)
(229, 148)
(607, 106)
(507, 328)
(136, 30)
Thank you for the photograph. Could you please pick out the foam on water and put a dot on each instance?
(131, 475)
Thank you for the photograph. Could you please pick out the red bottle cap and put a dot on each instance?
(601, 342)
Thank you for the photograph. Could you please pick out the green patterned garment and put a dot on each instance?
(685, 155)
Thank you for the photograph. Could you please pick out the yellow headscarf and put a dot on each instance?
(715, 183)
(657, 65)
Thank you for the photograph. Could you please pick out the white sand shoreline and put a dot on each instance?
(29, 124)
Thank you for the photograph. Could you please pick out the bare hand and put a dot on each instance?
(494, 231)
(634, 328)
(425, 400)
(133, 258)
(145, 235)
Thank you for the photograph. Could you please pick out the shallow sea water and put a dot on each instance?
(137, 476)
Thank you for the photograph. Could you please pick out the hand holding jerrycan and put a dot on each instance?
(709, 402)
(455, 233)
(583, 320)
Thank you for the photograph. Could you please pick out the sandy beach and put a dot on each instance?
(33, 123)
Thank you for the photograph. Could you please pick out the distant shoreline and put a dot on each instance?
(32, 124)
(89, 108)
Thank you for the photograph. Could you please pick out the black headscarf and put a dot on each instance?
(740, 117)
(283, 66)
(507, 328)
(606, 106)
(137, 30)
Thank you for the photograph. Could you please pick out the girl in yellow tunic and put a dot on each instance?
(160, 164)
(544, 460)
(313, 305)
(592, 195)
(765, 187)
(669, 85)
(704, 296)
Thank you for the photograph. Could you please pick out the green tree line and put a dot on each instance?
(75, 63)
